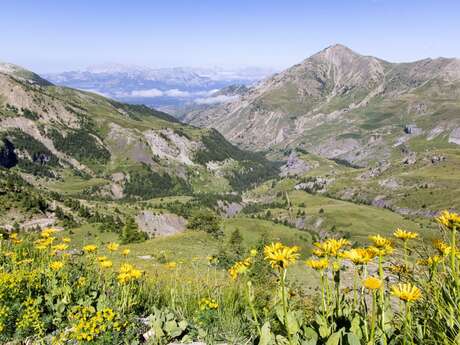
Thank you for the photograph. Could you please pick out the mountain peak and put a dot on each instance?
(336, 51)
(22, 73)
(337, 48)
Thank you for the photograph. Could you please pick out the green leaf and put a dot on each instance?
(353, 339)
(311, 337)
(266, 335)
(356, 327)
(183, 325)
(324, 331)
(292, 326)
(334, 339)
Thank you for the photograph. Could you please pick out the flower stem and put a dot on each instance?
(373, 316)
(323, 297)
(251, 306)
(453, 251)
(283, 297)
(382, 299)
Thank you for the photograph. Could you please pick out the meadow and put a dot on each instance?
(75, 287)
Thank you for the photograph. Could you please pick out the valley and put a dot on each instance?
(341, 146)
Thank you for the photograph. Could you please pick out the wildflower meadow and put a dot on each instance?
(399, 290)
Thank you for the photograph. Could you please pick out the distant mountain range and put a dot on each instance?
(164, 88)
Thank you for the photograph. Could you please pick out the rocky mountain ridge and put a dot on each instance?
(340, 104)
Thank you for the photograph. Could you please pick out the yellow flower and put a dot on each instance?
(113, 247)
(406, 292)
(399, 269)
(330, 247)
(380, 242)
(450, 220)
(128, 273)
(208, 304)
(15, 239)
(105, 264)
(171, 265)
(318, 265)
(60, 247)
(47, 232)
(430, 261)
(66, 240)
(81, 281)
(359, 256)
(125, 252)
(90, 248)
(253, 252)
(239, 267)
(280, 256)
(372, 283)
(56, 265)
(405, 235)
(102, 258)
(381, 251)
(442, 247)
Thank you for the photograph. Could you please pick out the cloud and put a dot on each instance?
(177, 93)
(216, 99)
(147, 93)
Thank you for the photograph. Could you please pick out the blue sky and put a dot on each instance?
(55, 35)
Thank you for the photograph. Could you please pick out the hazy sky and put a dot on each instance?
(55, 35)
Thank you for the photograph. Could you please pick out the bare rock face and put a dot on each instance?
(317, 184)
(454, 136)
(229, 209)
(294, 166)
(160, 224)
(170, 145)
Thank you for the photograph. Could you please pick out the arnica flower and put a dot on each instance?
(125, 252)
(405, 235)
(208, 304)
(381, 251)
(450, 220)
(56, 265)
(81, 281)
(442, 247)
(113, 247)
(105, 264)
(372, 283)
(15, 239)
(430, 261)
(128, 273)
(90, 248)
(318, 265)
(171, 265)
(406, 292)
(66, 240)
(253, 252)
(330, 247)
(239, 267)
(359, 256)
(60, 247)
(399, 269)
(380, 242)
(280, 256)
(47, 232)
(102, 258)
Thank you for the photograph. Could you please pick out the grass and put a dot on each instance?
(72, 184)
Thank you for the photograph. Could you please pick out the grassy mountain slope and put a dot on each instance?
(75, 142)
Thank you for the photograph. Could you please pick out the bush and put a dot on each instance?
(206, 220)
